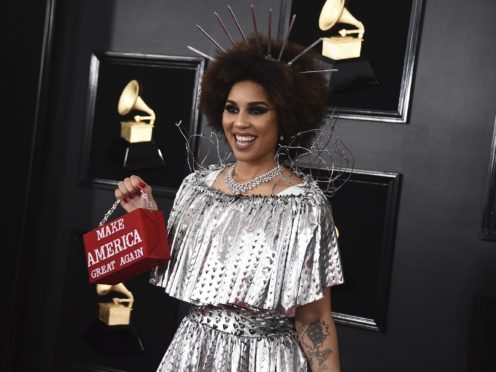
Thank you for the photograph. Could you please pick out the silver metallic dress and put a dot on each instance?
(245, 263)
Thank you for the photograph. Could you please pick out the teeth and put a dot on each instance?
(244, 138)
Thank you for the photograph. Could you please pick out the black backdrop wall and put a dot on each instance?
(439, 263)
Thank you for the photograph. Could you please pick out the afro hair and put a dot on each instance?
(300, 98)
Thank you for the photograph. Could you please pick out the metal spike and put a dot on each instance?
(305, 50)
(210, 38)
(237, 23)
(224, 27)
(286, 37)
(201, 53)
(314, 71)
(254, 18)
(269, 33)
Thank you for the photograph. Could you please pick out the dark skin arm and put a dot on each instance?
(317, 334)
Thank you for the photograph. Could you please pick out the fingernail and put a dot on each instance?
(124, 200)
(142, 185)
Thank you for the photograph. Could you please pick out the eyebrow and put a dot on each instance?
(250, 103)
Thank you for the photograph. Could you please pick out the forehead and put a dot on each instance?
(248, 91)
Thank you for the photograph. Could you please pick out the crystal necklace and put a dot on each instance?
(238, 188)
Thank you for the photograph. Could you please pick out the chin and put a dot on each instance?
(243, 157)
(250, 158)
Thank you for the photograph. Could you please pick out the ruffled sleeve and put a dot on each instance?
(321, 264)
(182, 192)
(157, 274)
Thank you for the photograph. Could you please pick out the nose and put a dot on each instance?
(241, 120)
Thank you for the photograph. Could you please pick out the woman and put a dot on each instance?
(253, 243)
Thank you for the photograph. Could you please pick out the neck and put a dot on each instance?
(246, 171)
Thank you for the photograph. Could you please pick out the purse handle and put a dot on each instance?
(117, 202)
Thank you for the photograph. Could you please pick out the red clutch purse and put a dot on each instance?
(126, 246)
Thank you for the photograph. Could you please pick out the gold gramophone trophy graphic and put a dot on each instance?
(136, 149)
(117, 312)
(346, 45)
(343, 50)
(112, 333)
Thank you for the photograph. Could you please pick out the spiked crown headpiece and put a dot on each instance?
(284, 69)
(269, 48)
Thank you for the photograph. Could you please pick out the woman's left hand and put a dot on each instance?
(129, 193)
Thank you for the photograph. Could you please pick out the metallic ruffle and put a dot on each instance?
(234, 339)
(265, 253)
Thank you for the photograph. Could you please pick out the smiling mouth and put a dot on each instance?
(244, 139)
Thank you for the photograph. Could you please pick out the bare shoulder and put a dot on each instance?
(285, 180)
(219, 183)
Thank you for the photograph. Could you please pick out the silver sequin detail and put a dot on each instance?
(261, 252)
(265, 255)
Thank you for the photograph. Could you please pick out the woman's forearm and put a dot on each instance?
(318, 339)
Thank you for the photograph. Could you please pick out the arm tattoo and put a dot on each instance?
(312, 336)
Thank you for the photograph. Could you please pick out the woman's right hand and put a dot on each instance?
(129, 193)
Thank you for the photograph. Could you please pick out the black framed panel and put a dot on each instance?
(169, 85)
(481, 356)
(489, 218)
(377, 85)
(84, 343)
(365, 210)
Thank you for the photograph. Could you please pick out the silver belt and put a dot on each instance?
(242, 322)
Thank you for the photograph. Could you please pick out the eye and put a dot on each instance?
(258, 110)
(232, 109)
